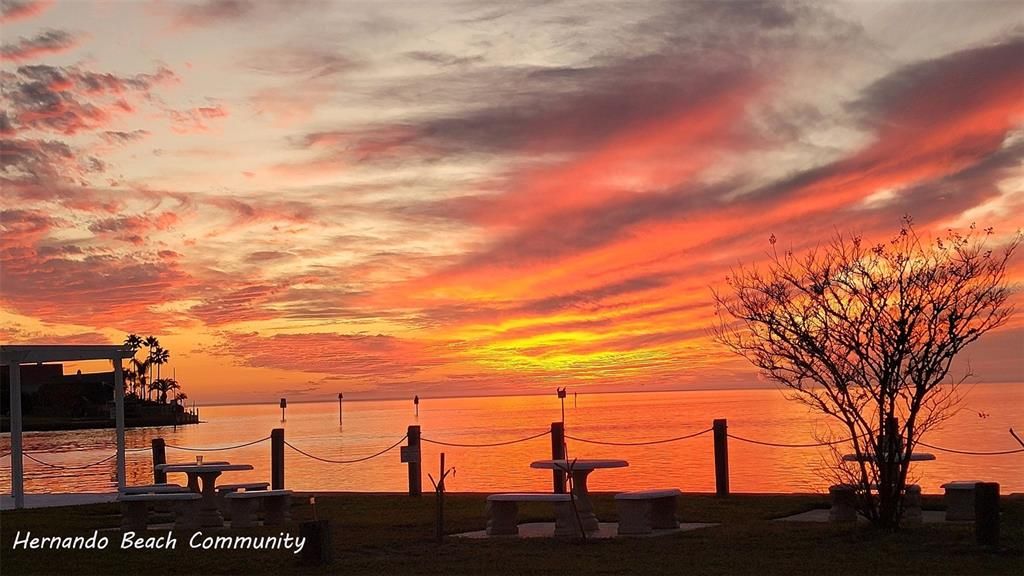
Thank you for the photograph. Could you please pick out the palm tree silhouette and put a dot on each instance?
(133, 342)
(160, 357)
(152, 343)
(141, 369)
(163, 386)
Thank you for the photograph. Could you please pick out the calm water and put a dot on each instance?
(371, 426)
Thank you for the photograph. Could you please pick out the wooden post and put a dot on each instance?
(439, 530)
(277, 459)
(558, 453)
(341, 417)
(721, 457)
(17, 461)
(986, 513)
(122, 476)
(159, 457)
(415, 475)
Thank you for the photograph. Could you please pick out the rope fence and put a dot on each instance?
(506, 443)
(778, 445)
(218, 449)
(644, 443)
(61, 467)
(330, 461)
(971, 453)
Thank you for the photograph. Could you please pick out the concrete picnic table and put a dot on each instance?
(209, 514)
(580, 469)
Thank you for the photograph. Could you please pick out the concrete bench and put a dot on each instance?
(959, 499)
(912, 504)
(642, 511)
(154, 489)
(135, 513)
(503, 512)
(844, 503)
(243, 486)
(224, 489)
(243, 507)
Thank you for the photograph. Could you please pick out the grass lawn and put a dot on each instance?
(393, 534)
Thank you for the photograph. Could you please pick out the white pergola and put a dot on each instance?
(15, 355)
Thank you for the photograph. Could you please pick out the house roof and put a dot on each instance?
(35, 353)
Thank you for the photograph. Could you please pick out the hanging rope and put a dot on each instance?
(970, 453)
(363, 459)
(58, 466)
(777, 445)
(646, 443)
(218, 449)
(506, 443)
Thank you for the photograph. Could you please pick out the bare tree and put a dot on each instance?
(867, 335)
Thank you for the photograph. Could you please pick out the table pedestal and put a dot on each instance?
(584, 507)
(209, 513)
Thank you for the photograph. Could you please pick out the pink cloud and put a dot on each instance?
(195, 119)
(11, 10)
(48, 42)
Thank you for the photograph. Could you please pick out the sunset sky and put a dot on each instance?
(446, 198)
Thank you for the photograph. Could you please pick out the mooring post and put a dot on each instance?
(415, 476)
(558, 453)
(986, 513)
(721, 457)
(159, 457)
(341, 417)
(277, 459)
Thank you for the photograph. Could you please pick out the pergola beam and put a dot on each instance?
(34, 354)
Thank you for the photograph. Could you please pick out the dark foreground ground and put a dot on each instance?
(393, 534)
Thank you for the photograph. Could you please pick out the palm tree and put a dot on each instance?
(141, 369)
(163, 386)
(133, 342)
(152, 343)
(180, 396)
(160, 357)
(129, 382)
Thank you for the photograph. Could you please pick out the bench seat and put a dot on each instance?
(959, 499)
(225, 489)
(154, 489)
(135, 513)
(244, 486)
(644, 510)
(243, 507)
(503, 512)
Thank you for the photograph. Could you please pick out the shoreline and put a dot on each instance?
(43, 424)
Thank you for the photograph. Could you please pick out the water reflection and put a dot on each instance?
(372, 426)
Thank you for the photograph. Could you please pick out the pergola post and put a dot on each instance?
(17, 463)
(119, 420)
(15, 355)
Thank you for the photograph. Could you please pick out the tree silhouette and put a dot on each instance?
(163, 386)
(152, 343)
(131, 377)
(140, 372)
(867, 335)
(160, 357)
